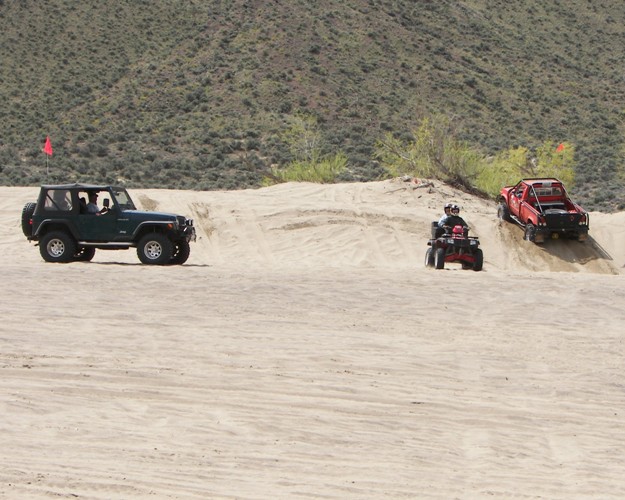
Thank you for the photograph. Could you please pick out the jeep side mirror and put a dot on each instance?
(107, 203)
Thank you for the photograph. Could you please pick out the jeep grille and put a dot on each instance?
(184, 222)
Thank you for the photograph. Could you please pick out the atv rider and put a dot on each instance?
(453, 219)
(447, 210)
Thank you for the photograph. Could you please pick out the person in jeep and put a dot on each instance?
(92, 206)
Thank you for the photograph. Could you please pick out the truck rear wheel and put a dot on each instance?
(530, 232)
(155, 248)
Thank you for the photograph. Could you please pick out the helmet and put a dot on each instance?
(448, 206)
(455, 209)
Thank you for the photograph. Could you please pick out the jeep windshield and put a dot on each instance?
(122, 198)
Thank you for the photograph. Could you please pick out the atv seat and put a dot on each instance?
(437, 232)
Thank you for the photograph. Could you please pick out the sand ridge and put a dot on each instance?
(305, 351)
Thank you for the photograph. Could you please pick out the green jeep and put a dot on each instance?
(67, 228)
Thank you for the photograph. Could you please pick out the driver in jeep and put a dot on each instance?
(92, 206)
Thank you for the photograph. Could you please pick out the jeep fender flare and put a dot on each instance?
(48, 225)
(151, 227)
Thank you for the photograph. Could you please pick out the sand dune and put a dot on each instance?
(305, 351)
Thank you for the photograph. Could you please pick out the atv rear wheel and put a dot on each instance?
(429, 258)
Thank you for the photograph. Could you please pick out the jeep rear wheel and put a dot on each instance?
(155, 248)
(57, 246)
(27, 215)
(181, 252)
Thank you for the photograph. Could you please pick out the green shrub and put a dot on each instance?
(324, 171)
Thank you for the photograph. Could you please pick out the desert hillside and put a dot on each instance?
(304, 351)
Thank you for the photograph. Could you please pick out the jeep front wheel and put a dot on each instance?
(57, 246)
(155, 248)
(181, 252)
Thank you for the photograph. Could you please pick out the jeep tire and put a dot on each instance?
(84, 254)
(155, 248)
(181, 252)
(27, 215)
(57, 246)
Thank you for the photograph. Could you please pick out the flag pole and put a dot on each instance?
(47, 149)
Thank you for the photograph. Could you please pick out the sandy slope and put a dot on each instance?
(304, 351)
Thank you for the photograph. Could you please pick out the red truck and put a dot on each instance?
(543, 208)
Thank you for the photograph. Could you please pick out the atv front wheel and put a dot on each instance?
(439, 258)
(479, 260)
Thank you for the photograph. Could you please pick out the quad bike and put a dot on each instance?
(453, 245)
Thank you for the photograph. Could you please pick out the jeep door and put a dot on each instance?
(100, 227)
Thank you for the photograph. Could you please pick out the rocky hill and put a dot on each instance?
(197, 94)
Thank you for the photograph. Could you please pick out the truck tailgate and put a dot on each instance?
(562, 220)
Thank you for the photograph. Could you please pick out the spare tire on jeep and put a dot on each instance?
(27, 215)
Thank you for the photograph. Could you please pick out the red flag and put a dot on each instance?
(560, 148)
(47, 149)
